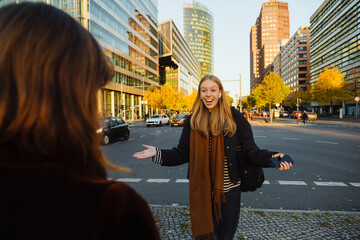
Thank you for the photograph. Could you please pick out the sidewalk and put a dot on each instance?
(290, 121)
(174, 223)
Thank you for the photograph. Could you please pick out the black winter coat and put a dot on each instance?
(249, 150)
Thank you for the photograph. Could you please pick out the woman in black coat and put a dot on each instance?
(209, 142)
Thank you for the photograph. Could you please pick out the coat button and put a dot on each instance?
(227, 147)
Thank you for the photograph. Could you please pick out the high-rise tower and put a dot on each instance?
(272, 25)
(199, 34)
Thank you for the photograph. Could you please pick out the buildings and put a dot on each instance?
(178, 65)
(292, 63)
(272, 25)
(199, 34)
(335, 40)
(127, 31)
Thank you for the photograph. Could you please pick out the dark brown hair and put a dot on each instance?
(51, 69)
(221, 117)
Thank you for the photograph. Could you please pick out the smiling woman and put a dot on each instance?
(215, 141)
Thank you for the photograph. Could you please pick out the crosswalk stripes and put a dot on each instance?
(266, 182)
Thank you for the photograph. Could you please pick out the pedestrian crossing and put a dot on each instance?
(266, 182)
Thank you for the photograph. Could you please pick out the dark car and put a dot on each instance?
(113, 128)
(179, 120)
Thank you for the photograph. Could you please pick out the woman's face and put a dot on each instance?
(210, 94)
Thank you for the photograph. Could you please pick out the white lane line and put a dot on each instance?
(266, 182)
(261, 136)
(158, 180)
(327, 142)
(355, 184)
(133, 180)
(331, 184)
(131, 139)
(298, 183)
(296, 139)
(142, 136)
(182, 181)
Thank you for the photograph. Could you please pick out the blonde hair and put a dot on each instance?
(220, 118)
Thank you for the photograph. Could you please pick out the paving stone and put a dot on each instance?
(174, 223)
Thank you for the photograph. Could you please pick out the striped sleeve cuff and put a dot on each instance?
(157, 158)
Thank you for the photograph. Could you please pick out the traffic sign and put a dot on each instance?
(357, 99)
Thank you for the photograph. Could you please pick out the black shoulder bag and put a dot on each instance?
(252, 176)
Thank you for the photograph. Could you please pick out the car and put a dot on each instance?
(112, 128)
(285, 114)
(296, 114)
(312, 116)
(158, 120)
(178, 120)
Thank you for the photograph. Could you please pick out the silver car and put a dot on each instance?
(157, 120)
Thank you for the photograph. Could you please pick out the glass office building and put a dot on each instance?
(335, 41)
(292, 63)
(127, 31)
(199, 34)
(178, 65)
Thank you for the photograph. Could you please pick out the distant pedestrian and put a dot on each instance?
(209, 144)
(353, 112)
(53, 172)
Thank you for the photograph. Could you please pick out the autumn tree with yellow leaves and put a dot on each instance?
(330, 87)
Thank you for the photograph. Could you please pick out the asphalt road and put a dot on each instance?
(326, 175)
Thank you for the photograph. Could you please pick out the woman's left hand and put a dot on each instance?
(283, 165)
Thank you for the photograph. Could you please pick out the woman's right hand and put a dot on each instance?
(150, 151)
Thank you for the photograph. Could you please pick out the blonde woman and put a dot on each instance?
(209, 143)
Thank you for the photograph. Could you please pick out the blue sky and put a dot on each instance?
(233, 20)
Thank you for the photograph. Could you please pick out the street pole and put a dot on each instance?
(356, 110)
(297, 104)
(240, 95)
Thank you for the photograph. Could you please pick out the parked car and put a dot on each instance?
(296, 114)
(312, 116)
(113, 128)
(178, 120)
(158, 120)
(285, 114)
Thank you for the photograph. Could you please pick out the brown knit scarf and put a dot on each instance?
(206, 184)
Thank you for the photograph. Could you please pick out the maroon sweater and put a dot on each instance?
(51, 201)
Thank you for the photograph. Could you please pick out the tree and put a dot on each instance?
(291, 100)
(244, 103)
(256, 98)
(330, 87)
(189, 100)
(274, 89)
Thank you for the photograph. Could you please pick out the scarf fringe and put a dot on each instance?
(208, 236)
(219, 197)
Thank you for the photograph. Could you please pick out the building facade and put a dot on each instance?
(292, 63)
(199, 34)
(271, 26)
(335, 41)
(127, 32)
(178, 65)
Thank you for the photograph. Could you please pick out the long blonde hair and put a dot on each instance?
(220, 118)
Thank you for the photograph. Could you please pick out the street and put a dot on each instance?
(326, 174)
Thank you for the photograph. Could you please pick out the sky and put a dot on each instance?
(232, 23)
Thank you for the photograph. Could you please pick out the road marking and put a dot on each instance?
(296, 139)
(355, 184)
(182, 181)
(131, 139)
(261, 136)
(133, 180)
(332, 184)
(142, 136)
(158, 180)
(292, 183)
(266, 182)
(327, 142)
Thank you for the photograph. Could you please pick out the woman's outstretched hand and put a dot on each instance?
(150, 151)
(283, 165)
